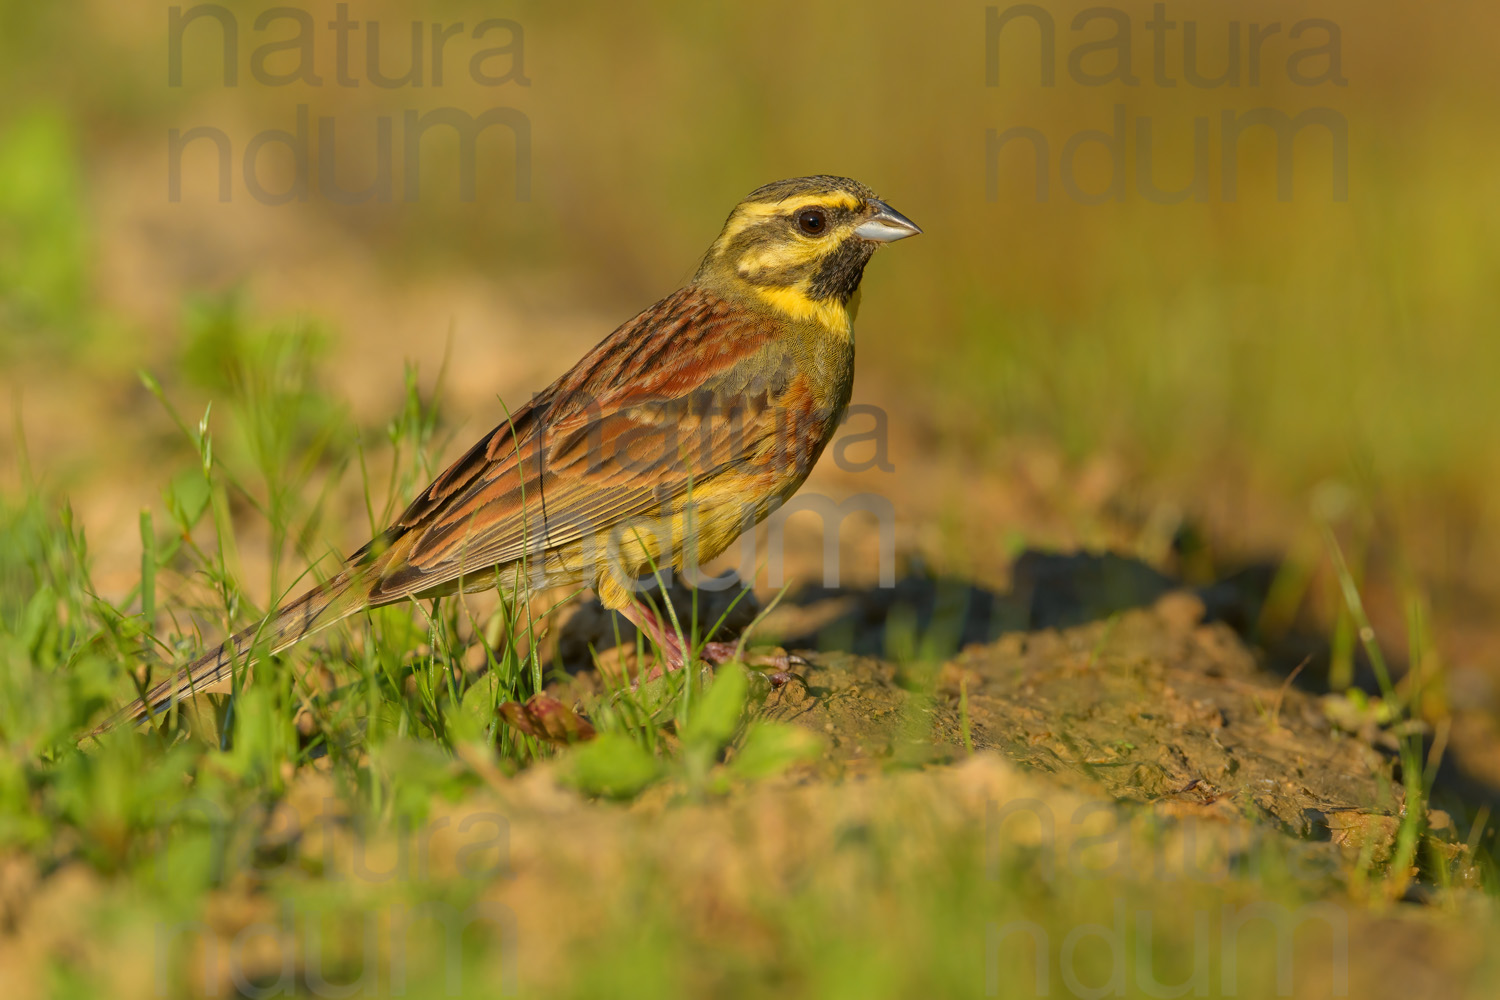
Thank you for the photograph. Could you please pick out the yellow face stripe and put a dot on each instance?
(751, 213)
(837, 199)
(793, 302)
(780, 255)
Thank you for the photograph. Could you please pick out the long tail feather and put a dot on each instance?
(315, 610)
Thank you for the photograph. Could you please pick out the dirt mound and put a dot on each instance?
(1152, 705)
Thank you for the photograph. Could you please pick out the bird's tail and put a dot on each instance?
(317, 609)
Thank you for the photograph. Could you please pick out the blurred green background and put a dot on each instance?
(1276, 343)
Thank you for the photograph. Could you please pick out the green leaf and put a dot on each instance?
(463, 721)
(613, 765)
(187, 498)
(772, 747)
(716, 716)
(476, 710)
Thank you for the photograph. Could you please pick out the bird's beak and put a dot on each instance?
(885, 224)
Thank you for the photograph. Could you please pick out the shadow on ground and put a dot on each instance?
(931, 617)
(935, 616)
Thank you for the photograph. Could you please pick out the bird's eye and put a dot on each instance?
(812, 221)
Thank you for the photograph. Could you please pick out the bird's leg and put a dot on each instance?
(642, 616)
(645, 618)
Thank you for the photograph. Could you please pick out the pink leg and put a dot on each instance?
(661, 632)
(642, 617)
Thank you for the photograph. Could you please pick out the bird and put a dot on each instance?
(682, 429)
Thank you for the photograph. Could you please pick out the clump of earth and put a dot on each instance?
(1098, 672)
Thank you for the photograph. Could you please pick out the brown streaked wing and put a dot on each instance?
(595, 448)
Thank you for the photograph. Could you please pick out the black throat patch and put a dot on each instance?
(839, 273)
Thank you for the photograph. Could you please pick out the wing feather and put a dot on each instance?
(666, 404)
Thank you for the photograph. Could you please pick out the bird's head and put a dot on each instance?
(800, 246)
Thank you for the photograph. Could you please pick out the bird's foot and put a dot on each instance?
(773, 659)
(775, 662)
